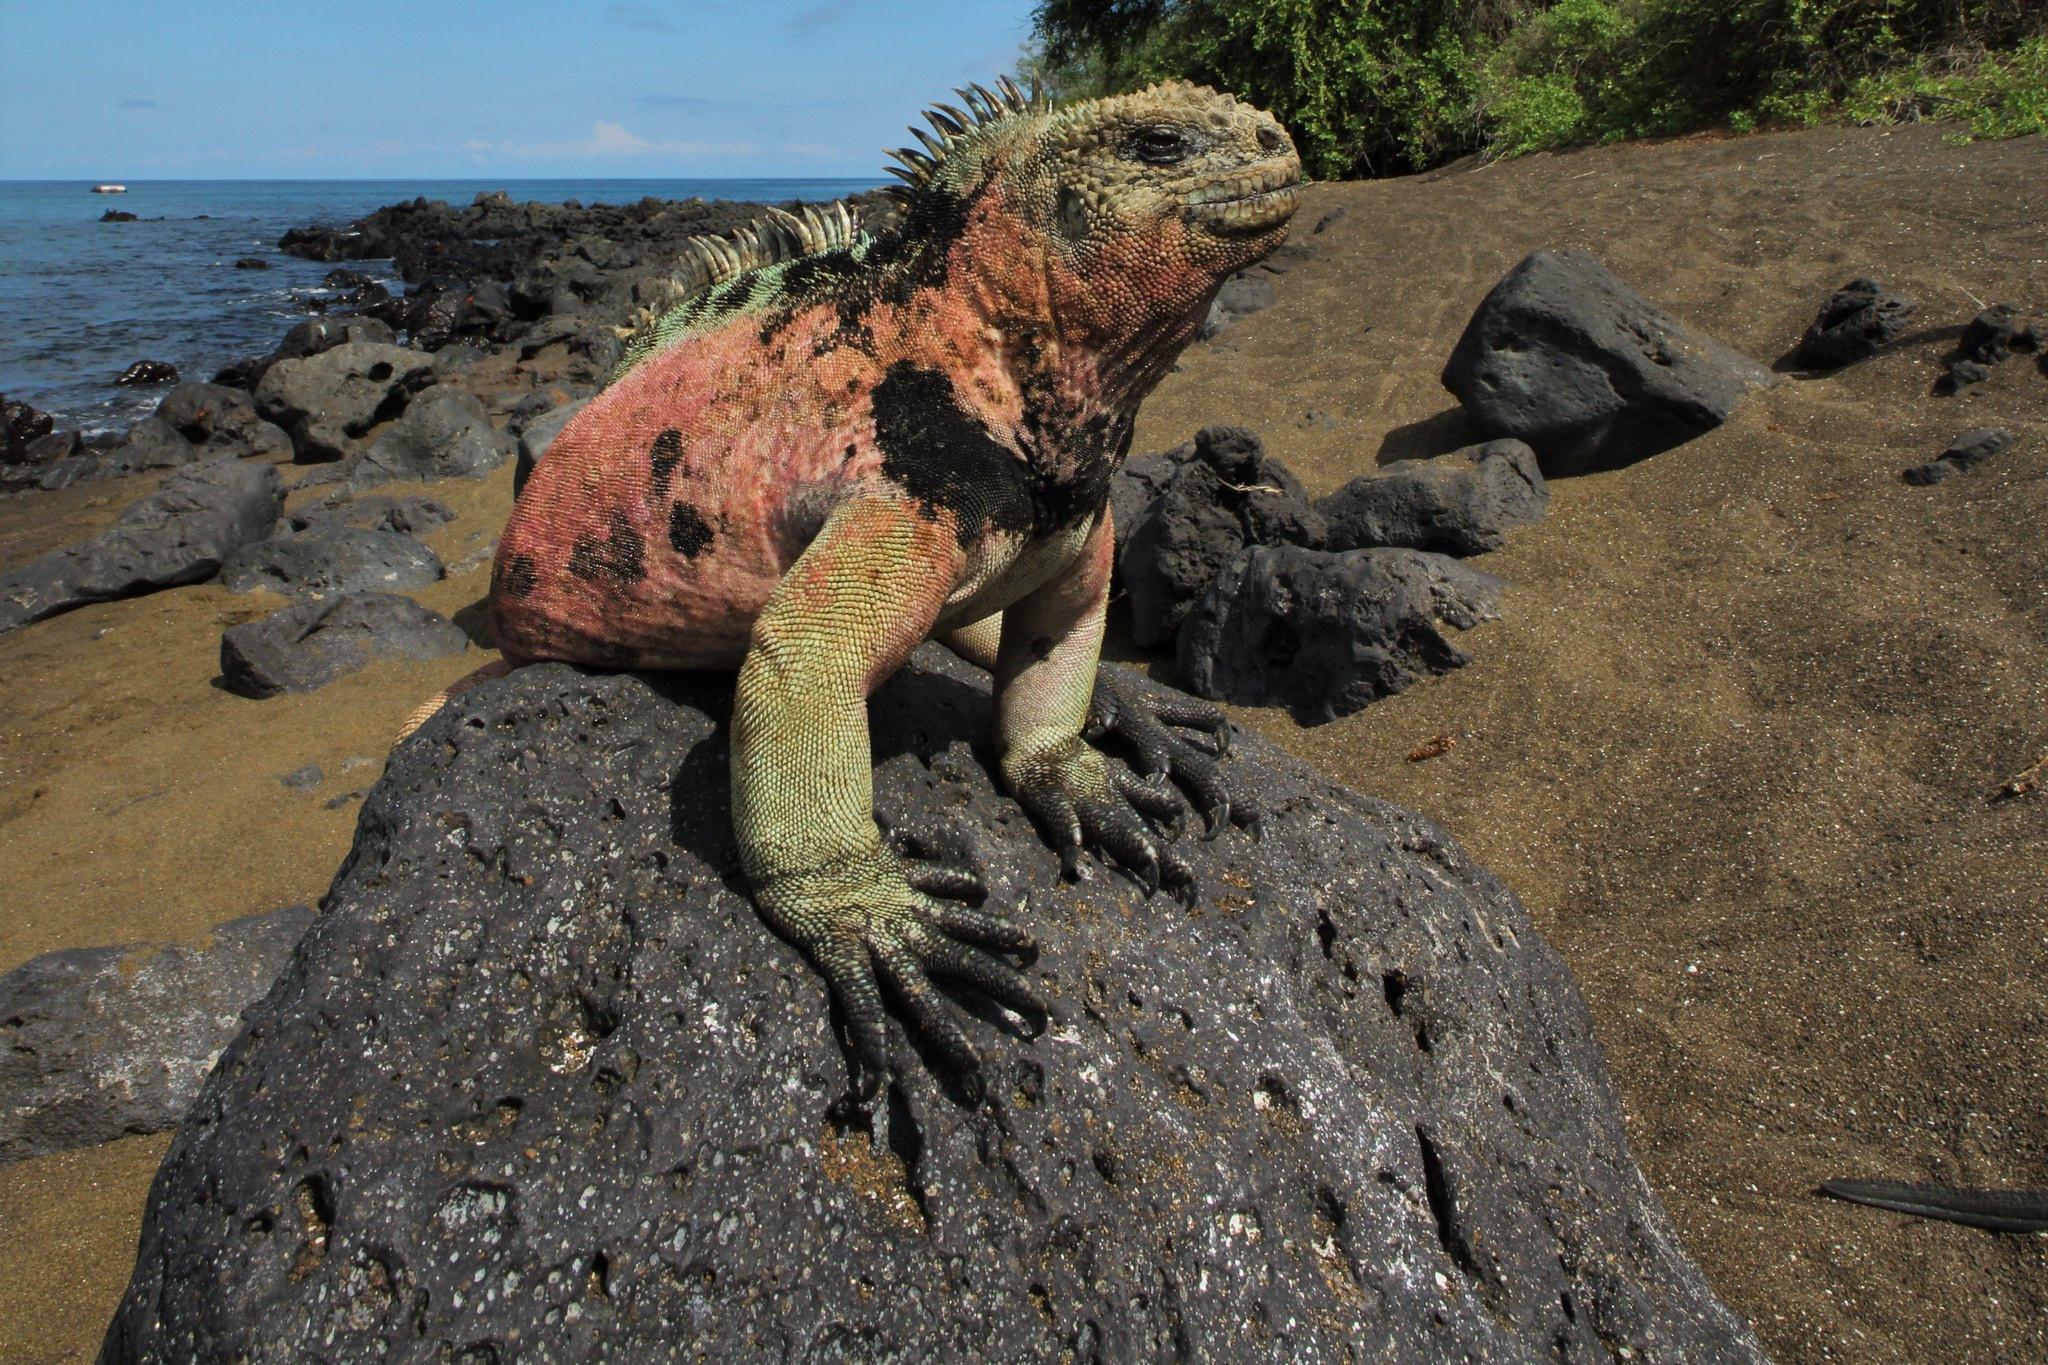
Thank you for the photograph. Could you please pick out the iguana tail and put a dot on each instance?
(426, 710)
(1992, 1210)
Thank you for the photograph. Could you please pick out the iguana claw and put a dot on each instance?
(1080, 800)
(871, 923)
(1122, 707)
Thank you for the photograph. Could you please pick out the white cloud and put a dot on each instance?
(607, 141)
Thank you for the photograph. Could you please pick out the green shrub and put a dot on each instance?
(1996, 95)
(1377, 86)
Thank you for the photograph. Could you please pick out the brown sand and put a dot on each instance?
(1730, 741)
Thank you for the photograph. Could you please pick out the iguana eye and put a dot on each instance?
(1160, 145)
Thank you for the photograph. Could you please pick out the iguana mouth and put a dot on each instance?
(1252, 202)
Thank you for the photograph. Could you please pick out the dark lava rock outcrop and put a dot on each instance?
(1182, 516)
(220, 421)
(179, 534)
(1326, 634)
(444, 433)
(1852, 324)
(328, 401)
(1965, 453)
(1462, 503)
(540, 1085)
(104, 1043)
(1565, 356)
(332, 559)
(309, 644)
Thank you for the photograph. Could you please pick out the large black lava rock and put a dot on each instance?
(1325, 634)
(178, 534)
(1189, 512)
(1564, 355)
(539, 1085)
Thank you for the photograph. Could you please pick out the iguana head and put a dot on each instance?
(1092, 235)
(1125, 214)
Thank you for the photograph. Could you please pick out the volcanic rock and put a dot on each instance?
(444, 433)
(328, 401)
(179, 534)
(411, 515)
(1563, 355)
(104, 1043)
(1458, 504)
(540, 1084)
(309, 644)
(1856, 319)
(1220, 494)
(144, 372)
(220, 421)
(1326, 634)
(331, 559)
(1964, 453)
(152, 443)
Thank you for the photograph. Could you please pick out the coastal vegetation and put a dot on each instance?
(1389, 86)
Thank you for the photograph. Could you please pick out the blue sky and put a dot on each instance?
(348, 89)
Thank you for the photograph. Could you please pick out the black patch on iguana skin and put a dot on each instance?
(665, 455)
(942, 455)
(621, 557)
(688, 534)
(518, 576)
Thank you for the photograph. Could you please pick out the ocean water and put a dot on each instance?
(82, 300)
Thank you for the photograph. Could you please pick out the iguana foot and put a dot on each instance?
(868, 921)
(1080, 800)
(1187, 753)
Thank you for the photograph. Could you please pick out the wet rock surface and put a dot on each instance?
(1565, 356)
(540, 1084)
(148, 372)
(309, 644)
(180, 534)
(104, 1043)
(1325, 634)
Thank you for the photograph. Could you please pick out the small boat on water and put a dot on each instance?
(110, 189)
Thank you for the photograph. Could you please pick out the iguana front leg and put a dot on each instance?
(847, 615)
(1150, 728)
(1045, 680)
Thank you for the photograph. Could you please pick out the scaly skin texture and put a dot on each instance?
(832, 449)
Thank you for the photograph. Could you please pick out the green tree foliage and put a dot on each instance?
(1377, 86)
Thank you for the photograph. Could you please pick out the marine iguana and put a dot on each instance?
(837, 444)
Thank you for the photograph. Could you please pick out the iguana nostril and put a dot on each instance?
(1271, 139)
